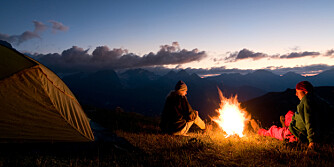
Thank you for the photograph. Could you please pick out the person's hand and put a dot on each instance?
(311, 146)
(311, 149)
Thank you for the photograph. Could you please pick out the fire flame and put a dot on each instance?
(231, 116)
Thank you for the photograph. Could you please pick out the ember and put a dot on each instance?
(231, 116)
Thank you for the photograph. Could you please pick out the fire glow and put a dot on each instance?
(231, 116)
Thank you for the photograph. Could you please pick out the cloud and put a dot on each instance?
(18, 39)
(330, 53)
(27, 36)
(168, 55)
(39, 27)
(103, 54)
(217, 71)
(300, 54)
(309, 70)
(245, 54)
(57, 26)
(279, 70)
(295, 48)
(78, 59)
(248, 54)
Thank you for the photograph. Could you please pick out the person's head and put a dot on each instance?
(303, 88)
(181, 88)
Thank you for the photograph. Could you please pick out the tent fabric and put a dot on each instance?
(37, 106)
(12, 62)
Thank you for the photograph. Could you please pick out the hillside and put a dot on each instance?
(142, 144)
(269, 107)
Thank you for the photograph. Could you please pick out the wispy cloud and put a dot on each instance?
(299, 55)
(78, 59)
(18, 39)
(295, 48)
(245, 54)
(248, 54)
(330, 53)
(302, 70)
(39, 27)
(57, 26)
(310, 69)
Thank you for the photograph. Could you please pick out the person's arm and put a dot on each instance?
(309, 118)
(192, 114)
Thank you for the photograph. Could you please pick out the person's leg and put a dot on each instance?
(274, 131)
(288, 136)
(185, 129)
(199, 122)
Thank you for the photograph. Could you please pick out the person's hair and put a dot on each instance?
(304, 86)
(181, 86)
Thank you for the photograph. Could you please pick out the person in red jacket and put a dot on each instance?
(178, 116)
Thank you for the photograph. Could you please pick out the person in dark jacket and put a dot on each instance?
(305, 124)
(178, 116)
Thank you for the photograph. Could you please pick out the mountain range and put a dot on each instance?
(144, 92)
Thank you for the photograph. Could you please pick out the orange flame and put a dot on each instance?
(231, 116)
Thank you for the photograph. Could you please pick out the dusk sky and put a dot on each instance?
(227, 34)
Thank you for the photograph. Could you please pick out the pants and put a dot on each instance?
(278, 132)
(198, 121)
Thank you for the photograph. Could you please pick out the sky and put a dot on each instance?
(230, 35)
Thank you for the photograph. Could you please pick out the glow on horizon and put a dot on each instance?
(216, 27)
(261, 63)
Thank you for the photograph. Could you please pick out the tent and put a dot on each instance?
(36, 105)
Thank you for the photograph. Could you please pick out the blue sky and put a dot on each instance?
(220, 28)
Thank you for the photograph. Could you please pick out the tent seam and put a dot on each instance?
(38, 68)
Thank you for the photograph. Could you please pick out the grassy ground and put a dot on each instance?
(144, 145)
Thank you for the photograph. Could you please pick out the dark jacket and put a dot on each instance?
(176, 113)
(309, 123)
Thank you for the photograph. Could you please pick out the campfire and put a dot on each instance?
(231, 117)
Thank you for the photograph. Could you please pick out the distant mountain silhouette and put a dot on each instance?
(92, 89)
(271, 82)
(261, 79)
(325, 78)
(290, 79)
(137, 78)
(141, 91)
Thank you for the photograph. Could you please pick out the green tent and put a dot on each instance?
(35, 104)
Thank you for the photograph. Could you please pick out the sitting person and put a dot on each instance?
(303, 125)
(178, 116)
